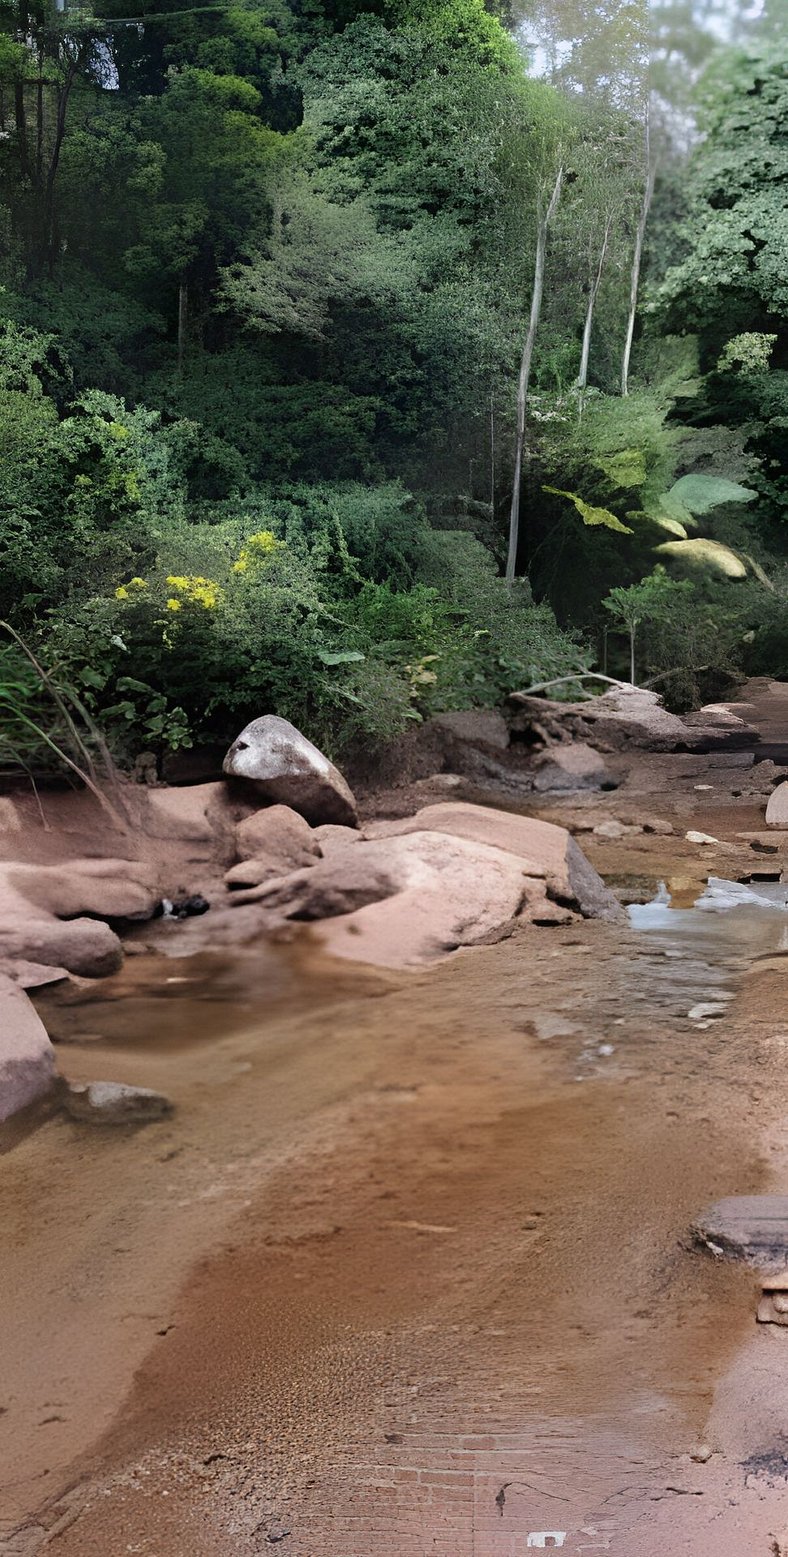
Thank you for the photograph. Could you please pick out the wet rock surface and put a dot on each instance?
(82, 946)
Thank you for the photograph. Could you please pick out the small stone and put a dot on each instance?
(701, 1453)
(112, 1103)
(694, 837)
(613, 829)
(706, 1009)
(606, 1049)
(570, 766)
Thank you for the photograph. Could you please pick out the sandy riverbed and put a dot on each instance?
(407, 1272)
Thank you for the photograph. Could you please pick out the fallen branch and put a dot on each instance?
(581, 675)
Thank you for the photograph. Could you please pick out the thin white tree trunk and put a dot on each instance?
(637, 257)
(492, 452)
(585, 353)
(525, 372)
(183, 309)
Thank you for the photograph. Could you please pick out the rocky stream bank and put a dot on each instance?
(408, 1269)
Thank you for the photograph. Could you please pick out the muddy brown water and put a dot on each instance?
(408, 1271)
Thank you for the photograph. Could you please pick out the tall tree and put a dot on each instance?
(544, 219)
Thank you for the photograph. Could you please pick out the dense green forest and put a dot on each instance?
(360, 363)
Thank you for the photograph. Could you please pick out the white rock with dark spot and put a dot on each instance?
(285, 767)
(112, 1103)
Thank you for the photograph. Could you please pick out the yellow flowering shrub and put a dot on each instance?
(192, 587)
(125, 591)
(257, 549)
(185, 588)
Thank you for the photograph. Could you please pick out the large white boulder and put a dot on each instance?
(284, 766)
(27, 1058)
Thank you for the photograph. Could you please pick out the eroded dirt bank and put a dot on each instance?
(407, 1271)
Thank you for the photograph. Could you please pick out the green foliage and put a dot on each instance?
(736, 231)
(267, 274)
(627, 468)
(747, 353)
(651, 600)
(590, 514)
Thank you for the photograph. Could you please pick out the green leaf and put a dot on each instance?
(340, 656)
(589, 514)
(701, 493)
(92, 678)
(129, 684)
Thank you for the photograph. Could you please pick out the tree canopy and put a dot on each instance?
(269, 274)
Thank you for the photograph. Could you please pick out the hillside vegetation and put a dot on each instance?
(351, 370)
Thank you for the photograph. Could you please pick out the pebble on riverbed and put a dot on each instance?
(701, 1453)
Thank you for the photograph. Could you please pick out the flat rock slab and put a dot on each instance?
(747, 1227)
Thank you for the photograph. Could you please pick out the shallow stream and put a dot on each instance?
(386, 1229)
